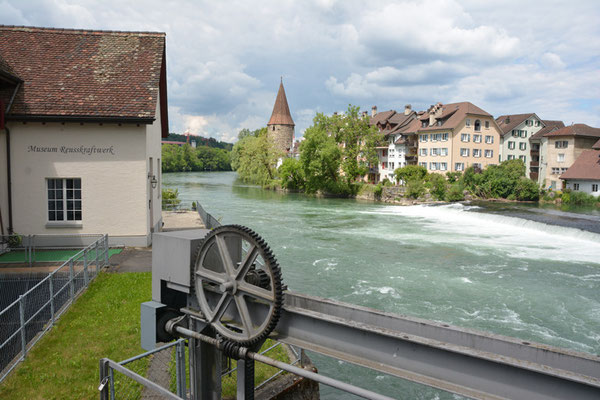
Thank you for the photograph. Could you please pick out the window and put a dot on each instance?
(444, 151)
(468, 122)
(523, 134)
(511, 145)
(563, 170)
(576, 186)
(560, 157)
(594, 187)
(445, 137)
(64, 199)
(423, 138)
(489, 153)
(423, 124)
(433, 166)
(487, 124)
(423, 164)
(459, 166)
(477, 165)
(443, 166)
(465, 137)
(523, 158)
(434, 137)
(522, 146)
(515, 133)
(391, 165)
(555, 170)
(476, 152)
(423, 152)
(489, 139)
(464, 152)
(537, 123)
(438, 122)
(477, 125)
(561, 144)
(510, 157)
(477, 138)
(433, 152)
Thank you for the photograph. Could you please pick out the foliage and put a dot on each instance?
(527, 190)
(453, 176)
(320, 158)
(387, 182)
(499, 181)
(200, 141)
(438, 186)
(15, 240)
(415, 189)
(455, 193)
(378, 191)
(410, 173)
(291, 174)
(186, 158)
(247, 132)
(578, 198)
(255, 158)
(170, 198)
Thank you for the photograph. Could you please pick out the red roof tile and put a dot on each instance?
(281, 111)
(508, 122)
(550, 126)
(85, 74)
(453, 114)
(381, 117)
(596, 145)
(586, 166)
(575, 130)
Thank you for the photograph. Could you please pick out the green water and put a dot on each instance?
(485, 267)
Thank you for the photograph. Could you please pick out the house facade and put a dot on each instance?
(84, 113)
(517, 129)
(564, 146)
(399, 148)
(539, 150)
(584, 174)
(453, 137)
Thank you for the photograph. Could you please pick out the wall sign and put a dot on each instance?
(85, 150)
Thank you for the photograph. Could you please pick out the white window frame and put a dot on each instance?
(466, 136)
(443, 166)
(594, 187)
(476, 138)
(445, 137)
(511, 145)
(464, 152)
(489, 139)
(576, 186)
(523, 158)
(459, 166)
(468, 122)
(423, 152)
(560, 157)
(522, 146)
(489, 153)
(476, 153)
(64, 202)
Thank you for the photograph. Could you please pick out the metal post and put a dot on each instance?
(97, 260)
(86, 278)
(22, 319)
(71, 279)
(205, 370)
(106, 250)
(51, 289)
(180, 367)
(103, 379)
(245, 379)
(30, 250)
(111, 378)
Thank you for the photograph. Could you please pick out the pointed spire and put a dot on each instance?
(281, 111)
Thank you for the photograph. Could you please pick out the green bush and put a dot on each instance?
(527, 190)
(453, 176)
(455, 193)
(15, 240)
(410, 173)
(438, 186)
(170, 198)
(578, 198)
(291, 174)
(415, 189)
(378, 190)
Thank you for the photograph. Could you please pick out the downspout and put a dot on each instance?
(8, 171)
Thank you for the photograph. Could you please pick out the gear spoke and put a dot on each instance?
(247, 263)
(242, 307)
(224, 254)
(255, 291)
(210, 275)
(220, 308)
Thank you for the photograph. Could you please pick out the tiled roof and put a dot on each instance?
(281, 111)
(453, 114)
(411, 128)
(86, 74)
(586, 166)
(596, 145)
(550, 126)
(576, 130)
(6, 71)
(513, 121)
(381, 117)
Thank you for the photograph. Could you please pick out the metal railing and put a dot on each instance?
(209, 221)
(159, 373)
(28, 318)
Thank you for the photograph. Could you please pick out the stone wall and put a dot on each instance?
(282, 136)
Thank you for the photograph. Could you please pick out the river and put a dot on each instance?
(518, 270)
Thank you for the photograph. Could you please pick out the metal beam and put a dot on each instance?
(463, 361)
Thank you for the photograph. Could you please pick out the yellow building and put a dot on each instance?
(453, 137)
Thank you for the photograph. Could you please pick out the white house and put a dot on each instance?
(82, 115)
(584, 174)
(517, 129)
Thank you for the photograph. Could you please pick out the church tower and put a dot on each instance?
(281, 125)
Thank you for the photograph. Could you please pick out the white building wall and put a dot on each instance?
(114, 181)
(153, 151)
(3, 184)
(586, 186)
(396, 158)
(520, 141)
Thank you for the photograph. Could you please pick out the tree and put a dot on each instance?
(291, 174)
(410, 173)
(254, 158)
(438, 186)
(320, 158)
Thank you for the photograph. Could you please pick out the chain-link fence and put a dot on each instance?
(157, 374)
(28, 317)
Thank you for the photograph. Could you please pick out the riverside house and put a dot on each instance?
(453, 137)
(564, 147)
(584, 174)
(82, 115)
(517, 129)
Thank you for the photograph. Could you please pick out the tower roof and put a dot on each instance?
(281, 111)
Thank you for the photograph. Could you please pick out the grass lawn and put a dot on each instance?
(103, 322)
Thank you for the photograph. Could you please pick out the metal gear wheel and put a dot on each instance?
(238, 284)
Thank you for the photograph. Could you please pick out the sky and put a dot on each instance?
(225, 59)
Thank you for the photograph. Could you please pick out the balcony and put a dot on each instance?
(533, 176)
(534, 164)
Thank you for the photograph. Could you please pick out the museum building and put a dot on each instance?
(82, 114)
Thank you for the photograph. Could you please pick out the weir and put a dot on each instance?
(203, 278)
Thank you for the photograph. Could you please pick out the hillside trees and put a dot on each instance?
(186, 158)
(254, 157)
